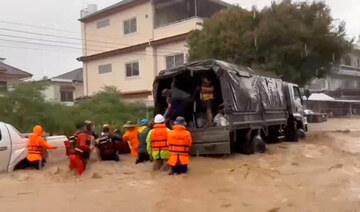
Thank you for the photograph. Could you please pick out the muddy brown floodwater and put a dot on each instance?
(321, 173)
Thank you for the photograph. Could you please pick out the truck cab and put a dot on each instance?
(295, 107)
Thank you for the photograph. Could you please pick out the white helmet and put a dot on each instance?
(159, 119)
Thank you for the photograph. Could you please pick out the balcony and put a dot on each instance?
(346, 70)
(181, 16)
(178, 27)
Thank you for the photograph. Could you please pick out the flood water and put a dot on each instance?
(320, 173)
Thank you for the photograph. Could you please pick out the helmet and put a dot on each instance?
(106, 128)
(159, 119)
(144, 122)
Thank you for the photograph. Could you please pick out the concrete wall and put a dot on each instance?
(167, 50)
(118, 77)
(177, 28)
(114, 32)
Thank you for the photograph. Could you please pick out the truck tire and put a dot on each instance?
(258, 145)
(247, 147)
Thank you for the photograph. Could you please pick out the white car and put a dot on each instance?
(13, 148)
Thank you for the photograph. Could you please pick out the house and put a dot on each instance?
(343, 82)
(65, 88)
(10, 75)
(127, 44)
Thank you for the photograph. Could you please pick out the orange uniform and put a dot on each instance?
(78, 151)
(37, 145)
(179, 142)
(131, 136)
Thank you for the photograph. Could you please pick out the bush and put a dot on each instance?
(25, 107)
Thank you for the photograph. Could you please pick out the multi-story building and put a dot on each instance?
(10, 76)
(127, 44)
(344, 80)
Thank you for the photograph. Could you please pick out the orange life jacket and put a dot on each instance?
(159, 138)
(179, 146)
(33, 147)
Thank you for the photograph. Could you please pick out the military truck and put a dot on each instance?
(255, 104)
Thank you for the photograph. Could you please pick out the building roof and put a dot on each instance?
(10, 70)
(124, 5)
(113, 8)
(73, 76)
(136, 47)
(320, 97)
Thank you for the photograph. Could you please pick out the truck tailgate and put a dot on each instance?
(210, 141)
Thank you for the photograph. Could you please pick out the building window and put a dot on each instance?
(102, 23)
(105, 68)
(132, 69)
(130, 26)
(67, 94)
(174, 60)
(3, 86)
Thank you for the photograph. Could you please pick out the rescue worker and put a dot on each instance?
(179, 142)
(90, 129)
(144, 129)
(131, 136)
(157, 143)
(79, 150)
(207, 97)
(107, 144)
(37, 146)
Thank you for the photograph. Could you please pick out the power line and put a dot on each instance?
(71, 43)
(26, 48)
(37, 26)
(62, 30)
(43, 44)
(46, 40)
(69, 47)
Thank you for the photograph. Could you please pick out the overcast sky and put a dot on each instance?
(63, 14)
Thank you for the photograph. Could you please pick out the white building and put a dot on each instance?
(127, 44)
(65, 88)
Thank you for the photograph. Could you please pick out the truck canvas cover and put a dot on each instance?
(243, 89)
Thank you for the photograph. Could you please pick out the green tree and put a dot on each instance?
(24, 107)
(295, 40)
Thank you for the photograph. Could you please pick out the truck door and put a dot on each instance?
(5, 148)
(298, 103)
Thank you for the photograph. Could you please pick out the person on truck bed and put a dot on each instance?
(177, 102)
(157, 143)
(79, 150)
(179, 142)
(37, 147)
(107, 144)
(207, 97)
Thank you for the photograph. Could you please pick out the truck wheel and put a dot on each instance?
(292, 132)
(247, 148)
(301, 133)
(258, 144)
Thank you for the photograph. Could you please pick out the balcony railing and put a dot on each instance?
(346, 70)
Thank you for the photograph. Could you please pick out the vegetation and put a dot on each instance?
(295, 40)
(25, 107)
